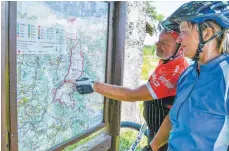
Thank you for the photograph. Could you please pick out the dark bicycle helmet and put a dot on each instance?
(170, 27)
(173, 29)
(200, 11)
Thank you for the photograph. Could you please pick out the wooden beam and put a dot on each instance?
(117, 70)
(5, 126)
(13, 75)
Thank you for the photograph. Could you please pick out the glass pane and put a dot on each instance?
(57, 41)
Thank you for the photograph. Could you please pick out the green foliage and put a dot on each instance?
(152, 13)
(149, 64)
(149, 50)
(82, 142)
(149, 61)
(141, 106)
(127, 138)
(74, 146)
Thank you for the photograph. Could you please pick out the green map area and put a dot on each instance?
(58, 41)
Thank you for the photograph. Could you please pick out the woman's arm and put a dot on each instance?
(162, 135)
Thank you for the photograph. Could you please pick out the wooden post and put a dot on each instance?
(117, 70)
(5, 126)
(13, 75)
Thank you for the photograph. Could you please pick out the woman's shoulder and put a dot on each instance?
(226, 57)
(224, 62)
(188, 70)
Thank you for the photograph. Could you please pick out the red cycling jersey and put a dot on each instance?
(162, 83)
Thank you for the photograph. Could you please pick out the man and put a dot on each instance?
(159, 92)
(199, 118)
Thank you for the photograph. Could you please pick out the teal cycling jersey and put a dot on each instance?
(200, 114)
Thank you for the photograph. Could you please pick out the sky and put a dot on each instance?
(165, 8)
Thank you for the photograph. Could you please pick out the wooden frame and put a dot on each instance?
(114, 70)
(5, 127)
(76, 139)
(117, 71)
(13, 75)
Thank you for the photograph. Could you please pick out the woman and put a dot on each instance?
(199, 118)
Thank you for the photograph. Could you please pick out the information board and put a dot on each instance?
(58, 41)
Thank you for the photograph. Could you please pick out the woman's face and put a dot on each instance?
(188, 39)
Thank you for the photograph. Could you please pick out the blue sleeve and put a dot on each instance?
(227, 104)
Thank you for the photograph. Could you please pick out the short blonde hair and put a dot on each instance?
(224, 45)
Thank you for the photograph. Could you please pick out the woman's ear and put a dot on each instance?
(207, 33)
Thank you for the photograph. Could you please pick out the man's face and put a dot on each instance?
(166, 45)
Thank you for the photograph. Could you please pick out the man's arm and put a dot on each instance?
(162, 135)
(121, 93)
(86, 86)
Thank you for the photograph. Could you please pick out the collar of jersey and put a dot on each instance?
(176, 60)
(211, 64)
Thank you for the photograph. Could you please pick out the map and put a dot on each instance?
(58, 41)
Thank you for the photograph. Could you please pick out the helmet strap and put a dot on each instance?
(202, 42)
(173, 56)
(200, 45)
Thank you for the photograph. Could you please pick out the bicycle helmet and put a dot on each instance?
(199, 11)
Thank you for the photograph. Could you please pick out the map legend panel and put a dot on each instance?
(37, 39)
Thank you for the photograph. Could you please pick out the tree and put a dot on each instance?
(152, 13)
(153, 17)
